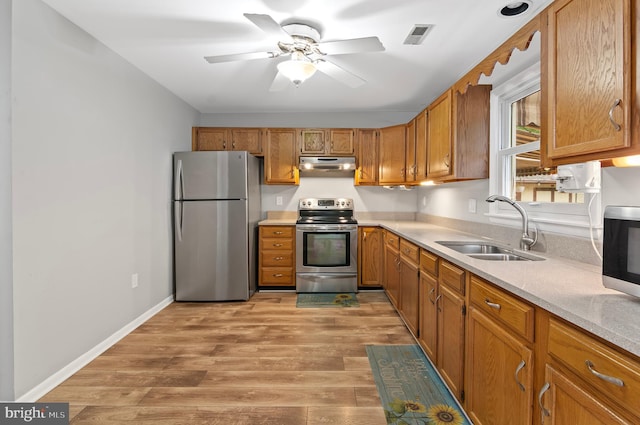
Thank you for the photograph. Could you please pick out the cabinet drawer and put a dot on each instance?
(276, 258)
(276, 231)
(451, 276)
(277, 276)
(277, 244)
(392, 240)
(428, 262)
(410, 251)
(516, 314)
(597, 364)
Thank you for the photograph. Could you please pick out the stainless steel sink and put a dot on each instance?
(488, 251)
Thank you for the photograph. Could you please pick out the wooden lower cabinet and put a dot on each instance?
(586, 380)
(566, 402)
(451, 325)
(391, 282)
(276, 259)
(499, 373)
(428, 296)
(370, 256)
(409, 285)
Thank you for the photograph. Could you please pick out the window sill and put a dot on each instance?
(545, 224)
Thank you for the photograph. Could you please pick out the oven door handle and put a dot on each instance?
(323, 228)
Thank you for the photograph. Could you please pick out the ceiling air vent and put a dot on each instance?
(417, 34)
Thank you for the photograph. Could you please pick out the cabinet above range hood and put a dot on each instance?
(327, 166)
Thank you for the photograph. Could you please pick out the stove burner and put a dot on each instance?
(326, 211)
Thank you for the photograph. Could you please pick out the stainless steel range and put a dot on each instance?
(326, 246)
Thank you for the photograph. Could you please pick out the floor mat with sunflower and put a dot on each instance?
(411, 391)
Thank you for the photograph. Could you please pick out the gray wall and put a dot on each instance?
(92, 144)
(6, 268)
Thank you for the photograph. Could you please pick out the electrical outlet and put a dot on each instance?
(134, 280)
(278, 200)
(472, 205)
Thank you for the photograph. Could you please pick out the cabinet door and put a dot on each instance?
(566, 402)
(409, 294)
(246, 139)
(428, 315)
(370, 250)
(391, 155)
(341, 142)
(367, 172)
(410, 152)
(211, 139)
(588, 77)
(450, 359)
(280, 157)
(421, 146)
(499, 374)
(440, 137)
(392, 274)
(312, 142)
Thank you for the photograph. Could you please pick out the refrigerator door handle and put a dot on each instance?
(178, 189)
(178, 213)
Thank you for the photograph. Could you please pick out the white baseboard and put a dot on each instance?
(60, 376)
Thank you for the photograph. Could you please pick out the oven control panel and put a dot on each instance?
(325, 204)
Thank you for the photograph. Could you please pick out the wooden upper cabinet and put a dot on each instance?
(391, 151)
(421, 146)
(247, 139)
(367, 157)
(280, 165)
(327, 142)
(342, 141)
(227, 139)
(586, 81)
(209, 139)
(439, 135)
(410, 152)
(458, 135)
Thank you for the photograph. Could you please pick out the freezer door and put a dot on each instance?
(211, 250)
(209, 175)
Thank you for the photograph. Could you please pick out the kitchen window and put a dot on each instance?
(516, 171)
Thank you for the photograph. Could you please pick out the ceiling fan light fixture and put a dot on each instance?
(298, 69)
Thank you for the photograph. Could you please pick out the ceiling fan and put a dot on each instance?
(307, 54)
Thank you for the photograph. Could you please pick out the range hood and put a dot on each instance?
(327, 166)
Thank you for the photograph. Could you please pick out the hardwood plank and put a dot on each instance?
(263, 361)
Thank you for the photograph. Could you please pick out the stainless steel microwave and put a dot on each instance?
(621, 249)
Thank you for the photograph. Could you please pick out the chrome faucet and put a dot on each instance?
(526, 241)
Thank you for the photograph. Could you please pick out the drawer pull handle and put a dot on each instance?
(431, 293)
(278, 258)
(278, 275)
(543, 411)
(492, 305)
(616, 126)
(521, 366)
(277, 244)
(610, 379)
(277, 233)
(438, 299)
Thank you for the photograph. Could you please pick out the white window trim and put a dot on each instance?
(566, 219)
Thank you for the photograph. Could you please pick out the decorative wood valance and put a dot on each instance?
(520, 40)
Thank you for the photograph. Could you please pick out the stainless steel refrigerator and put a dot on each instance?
(216, 209)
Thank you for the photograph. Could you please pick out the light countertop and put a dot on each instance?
(568, 289)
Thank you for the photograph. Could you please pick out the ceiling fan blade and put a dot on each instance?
(240, 57)
(354, 45)
(280, 82)
(268, 25)
(340, 74)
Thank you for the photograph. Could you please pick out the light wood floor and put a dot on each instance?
(258, 362)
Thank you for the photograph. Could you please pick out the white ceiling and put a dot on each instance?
(168, 41)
